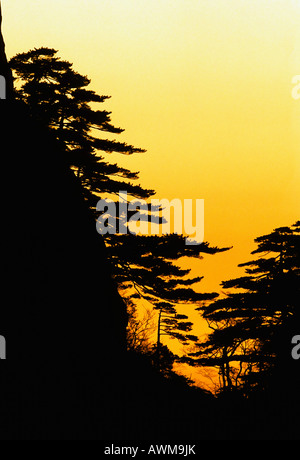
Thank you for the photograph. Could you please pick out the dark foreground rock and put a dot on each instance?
(67, 375)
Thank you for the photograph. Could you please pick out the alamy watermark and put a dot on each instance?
(2, 347)
(296, 87)
(2, 87)
(159, 217)
(296, 348)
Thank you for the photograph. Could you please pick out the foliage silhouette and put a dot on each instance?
(249, 324)
(139, 330)
(54, 389)
(60, 99)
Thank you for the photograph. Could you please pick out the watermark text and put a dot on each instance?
(296, 348)
(160, 217)
(296, 87)
(2, 347)
(2, 87)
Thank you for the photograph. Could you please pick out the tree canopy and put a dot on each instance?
(59, 98)
(249, 322)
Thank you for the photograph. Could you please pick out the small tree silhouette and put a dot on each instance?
(250, 323)
(58, 97)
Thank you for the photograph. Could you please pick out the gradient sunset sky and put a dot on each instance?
(205, 86)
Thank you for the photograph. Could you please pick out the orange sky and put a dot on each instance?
(205, 86)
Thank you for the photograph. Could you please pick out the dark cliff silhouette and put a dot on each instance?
(67, 375)
(61, 314)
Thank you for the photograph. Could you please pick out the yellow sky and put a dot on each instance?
(204, 86)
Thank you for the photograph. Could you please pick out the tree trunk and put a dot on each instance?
(158, 341)
(227, 368)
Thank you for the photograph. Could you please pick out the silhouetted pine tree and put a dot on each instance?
(59, 98)
(147, 265)
(250, 323)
